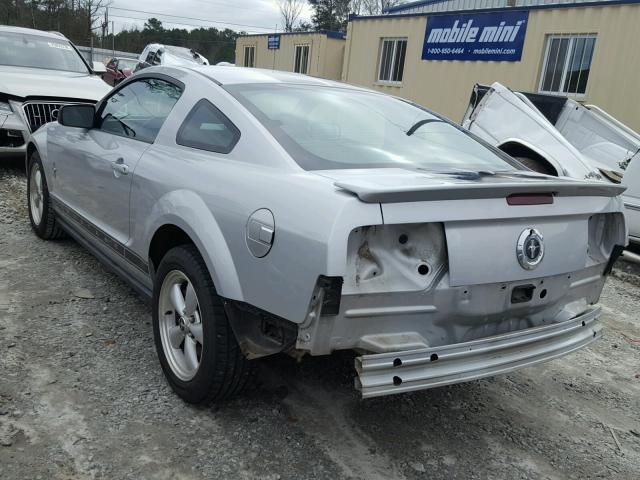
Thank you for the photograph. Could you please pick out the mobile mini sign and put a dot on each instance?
(273, 42)
(496, 36)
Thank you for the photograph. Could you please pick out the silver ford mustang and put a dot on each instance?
(268, 212)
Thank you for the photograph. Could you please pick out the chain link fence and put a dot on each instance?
(104, 54)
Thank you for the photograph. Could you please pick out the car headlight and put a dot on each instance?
(5, 107)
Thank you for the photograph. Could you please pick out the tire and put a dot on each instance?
(41, 214)
(537, 165)
(222, 371)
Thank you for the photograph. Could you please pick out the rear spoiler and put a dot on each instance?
(375, 193)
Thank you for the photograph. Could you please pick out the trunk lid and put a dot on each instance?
(482, 228)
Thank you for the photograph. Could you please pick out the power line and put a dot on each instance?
(170, 22)
(229, 5)
(189, 18)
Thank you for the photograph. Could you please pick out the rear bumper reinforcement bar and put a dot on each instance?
(407, 371)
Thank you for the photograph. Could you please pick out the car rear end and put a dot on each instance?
(477, 266)
(463, 283)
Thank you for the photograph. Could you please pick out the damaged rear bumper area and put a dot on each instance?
(406, 371)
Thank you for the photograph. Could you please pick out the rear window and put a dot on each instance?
(328, 128)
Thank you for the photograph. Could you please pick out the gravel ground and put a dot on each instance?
(82, 394)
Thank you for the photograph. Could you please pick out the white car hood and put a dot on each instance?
(35, 82)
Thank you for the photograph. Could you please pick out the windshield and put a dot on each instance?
(326, 128)
(184, 53)
(34, 51)
(127, 64)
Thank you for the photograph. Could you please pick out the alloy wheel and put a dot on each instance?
(36, 195)
(180, 325)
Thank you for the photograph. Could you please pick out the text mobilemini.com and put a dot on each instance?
(475, 51)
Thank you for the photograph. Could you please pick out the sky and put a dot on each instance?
(253, 16)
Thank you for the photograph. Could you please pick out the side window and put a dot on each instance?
(158, 58)
(139, 110)
(207, 128)
(150, 57)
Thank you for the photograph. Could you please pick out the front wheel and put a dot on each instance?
(41, 214)
(197, 349)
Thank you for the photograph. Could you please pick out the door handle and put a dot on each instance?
(120, 167)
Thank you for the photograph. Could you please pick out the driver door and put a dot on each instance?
(94, 172)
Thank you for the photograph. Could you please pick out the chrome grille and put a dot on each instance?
(39, 113)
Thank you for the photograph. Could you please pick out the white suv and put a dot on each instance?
(156, 54)
(40, 72)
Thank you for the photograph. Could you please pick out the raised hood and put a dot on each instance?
(35, 82)
(390, 185)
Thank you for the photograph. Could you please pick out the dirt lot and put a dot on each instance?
(82, 395)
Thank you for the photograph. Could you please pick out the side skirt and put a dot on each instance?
(75, 233)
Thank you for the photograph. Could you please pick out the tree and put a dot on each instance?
(330, 14)
(93, 9)
(290, 10)
(73, 18)
(153, 25)
(303, 26)
(372, 7)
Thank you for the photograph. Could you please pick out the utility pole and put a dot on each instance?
(105, 25)
(113, 38)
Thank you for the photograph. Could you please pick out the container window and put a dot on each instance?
(392, 55)
(301, 62)
(250, 56)
(567, 64)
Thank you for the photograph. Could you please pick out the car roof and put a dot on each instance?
(31, 31)
(232, 75)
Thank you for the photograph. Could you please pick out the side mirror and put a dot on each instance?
(98, 67)
(79, 116)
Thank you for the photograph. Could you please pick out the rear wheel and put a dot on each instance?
(537, 165)
(197, 349)
(41, 214)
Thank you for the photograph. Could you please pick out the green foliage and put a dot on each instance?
(330, 14)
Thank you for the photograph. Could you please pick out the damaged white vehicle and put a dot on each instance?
(268, 212)
(156, 54)
(559, 136)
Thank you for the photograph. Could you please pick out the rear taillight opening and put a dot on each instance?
(530, 199)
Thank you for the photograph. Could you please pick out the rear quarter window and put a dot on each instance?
(207, 128)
